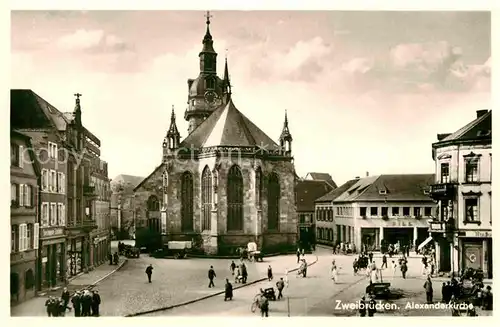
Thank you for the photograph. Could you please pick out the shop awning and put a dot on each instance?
(424, 243)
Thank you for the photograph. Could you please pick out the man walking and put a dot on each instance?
(96, 302)
(244, 273)
(280, 285)
(65, 298)
(298, 255)
(149, 272)
(404, 269)
(270, 273)
(370, 256)
(428, 289)
(232, 267)
(384, 261)
(264, 306)
(211, 276)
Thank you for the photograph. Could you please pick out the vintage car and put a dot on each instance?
(176, 249)
(132, 252)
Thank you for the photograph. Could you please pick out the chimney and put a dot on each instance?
(357, 177)
(367, 174)
(442, 136)
(481, 113)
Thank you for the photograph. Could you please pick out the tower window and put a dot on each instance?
(210, 83)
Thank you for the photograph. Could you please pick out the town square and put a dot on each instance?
(234, 164)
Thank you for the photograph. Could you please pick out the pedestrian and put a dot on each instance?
(211, 276)
(404, 269)
(303, 253)
(96, 302)
(238, 276)
(110, 258)
(424, 265)
(298, 255)
(86, 303)
(444, 292)
(334, 272)
(355, 266)
(60, 308)
(232, 267)
(362, 307)
(149, 272)
(488, 299)
(244, 273)
(49, 304)
(373, 272)
(264, 306)
(280, 285)
(65, 297)
(384, 261)
(334, 247)
(270, 273)
(370, 256)
(116, 258)
(77, 304)
(304, 268)
(428, 289)
(228, 294)
(408, 251)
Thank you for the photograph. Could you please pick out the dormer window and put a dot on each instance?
(382, 192)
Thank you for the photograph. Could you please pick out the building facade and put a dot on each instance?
(45, 125)
(24, 218)
(307, 191)
(323, 214)
(462, 230)
(227, 183)
(393, 208)
(101, 206)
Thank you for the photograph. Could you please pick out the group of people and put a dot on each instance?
(85, 304)
(344, 248)
(239, 272)
(114, 258)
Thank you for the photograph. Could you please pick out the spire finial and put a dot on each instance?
(227, 50)
(172, 117)
(208, 16)
(286, 118)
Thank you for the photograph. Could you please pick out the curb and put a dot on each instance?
(209, 296)
(200, 256)
(120, 266)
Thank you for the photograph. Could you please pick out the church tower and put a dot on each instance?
(206, 92)
(172, 139)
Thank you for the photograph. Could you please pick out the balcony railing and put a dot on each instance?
(442, 191)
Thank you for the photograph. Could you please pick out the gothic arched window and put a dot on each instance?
(206, 198)
(258, 186)
(210, 82)
(153, 213)
(273, 202)
(234, 199)
(187, 202)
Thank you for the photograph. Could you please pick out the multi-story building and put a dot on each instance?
(24, 219)
(123, 211)
(306, 192)
(462, 230)
(376, 208)
(46, 126)
(323, 214)
(101, 237)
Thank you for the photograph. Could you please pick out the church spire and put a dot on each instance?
(173, 137)
(78, 110)
(226, 82)
(286, 137)
(208, 56)
(207, 39)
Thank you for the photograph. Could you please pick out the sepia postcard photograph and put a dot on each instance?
(250, 163)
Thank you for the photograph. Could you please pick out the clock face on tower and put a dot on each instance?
(210, 97)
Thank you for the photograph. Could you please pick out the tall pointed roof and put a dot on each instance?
(285, 133)
(208, 43)
(478, 128)
(227, 126)
(172, 131)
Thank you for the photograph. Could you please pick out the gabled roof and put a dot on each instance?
(479, 128)
(29, 110)
(145, 179)
(332, 195)
(308, 191)
(402, 187)
(227, 126)
(322, 177)
(128, 179)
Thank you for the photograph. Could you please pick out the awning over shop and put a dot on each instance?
(424, 243)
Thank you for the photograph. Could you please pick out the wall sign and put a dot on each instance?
(478, 233)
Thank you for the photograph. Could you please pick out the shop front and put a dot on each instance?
(370, 239)
(100, 250)
(476, 251)
(53, 263)
(75, 256)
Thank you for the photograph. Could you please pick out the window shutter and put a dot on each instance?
(63, 186)
(46, 180)
(22, 237)
(21, 195)
(36, 235)
(21, 159)
(63, 215)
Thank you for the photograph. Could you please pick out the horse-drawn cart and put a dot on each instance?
(253, 253)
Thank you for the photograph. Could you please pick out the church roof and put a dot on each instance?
(227, 126)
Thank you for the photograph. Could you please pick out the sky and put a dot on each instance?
(364, 91)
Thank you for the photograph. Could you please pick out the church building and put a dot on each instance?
(227, 183)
